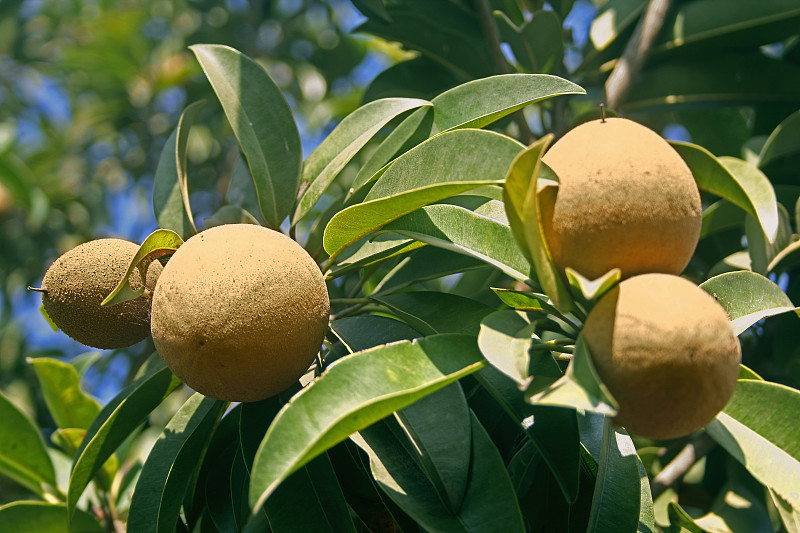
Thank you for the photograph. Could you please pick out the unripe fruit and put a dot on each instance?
(626, 199)
(666, 351)
(240, 312)
(78, 281)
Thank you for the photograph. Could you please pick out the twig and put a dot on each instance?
(500, 64)
(673, 473)
(630, 64)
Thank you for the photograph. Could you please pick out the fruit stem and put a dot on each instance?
(673, 473)
(37, 289)
(602, 113)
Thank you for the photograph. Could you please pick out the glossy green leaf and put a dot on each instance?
(720, 216)
(588, 291)
(679, 518)
(171, 185)
(537, 44)
(262, 122)
(784, 140)
(330, 409)
(23, 456)
(763, 252)
(380, 248)
(468, 232)
(734, 180)
(489, 500)
(158, 243)
(338, 148)
(521, 194)
(168, 470)
(432, 312)
(424, 264)
(757, 427)
(361, 332)
(478, 103)
(69, 406)
(45, 517)
(242, 190)
(580, 388)
(789, 516)
(69, 440)
(616, 504)
(747, 297)
(505, 340)
(115, 423)
(424, 175)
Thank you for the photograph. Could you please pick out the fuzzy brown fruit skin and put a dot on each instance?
(625, 199)
(666, 351)
(240, 312)
(78, 281)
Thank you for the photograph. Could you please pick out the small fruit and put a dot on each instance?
(79, 280)
(625, 199)
(240, 312)
(666, 351)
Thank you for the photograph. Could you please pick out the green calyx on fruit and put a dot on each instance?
(666, 351)
(625, 200)
(240, 312)
(78, 281)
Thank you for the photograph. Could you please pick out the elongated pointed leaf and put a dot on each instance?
(425, 264)
(761, 250)
(168, 470)
(478, 103)
(23, 456)
(505, 340)
(380, 248)
(747, 297)
(784, 140)
(262, 122)
(171, 185)
(538, 44)
(45, 517)
(326, 412)
(489, 502)
(338, 148)
(362, 332)
(431, 312)
(69, 406)
(118, 419)
(158, 243)
(757, 428)
(618, 489)
(735, 180)
(443, 166)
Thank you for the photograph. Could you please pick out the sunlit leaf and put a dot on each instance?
(69, 406)
(763, 252)
(45, 517)
(262, 122)
(23, 456)
(505, 339)
(747, 297)
(588, 290)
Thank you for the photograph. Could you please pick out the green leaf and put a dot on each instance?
(467, 232)
(230, 214)
(69, 406)
(432, 312)
(789, 515)
(424, 175)
(521, 194)
(747, 297)
(538, 44)
(734, 180)
(379, 248)
(784, 140)
(242, 190)
(580, 388)
(158, 243)
(171, 184)
(618, 491)
(588, 291)
(720, 216)
(263, 124)
(326, 412)
(680, 518)
(45, 517)
(489, 499)
(478, 103)
(505, 340)
(424, 264)
(23, 456)
(361, 332)
(115, 423)
(763, 252)
(758, 428)
(166, 474)
(69, 440)
(338, 148)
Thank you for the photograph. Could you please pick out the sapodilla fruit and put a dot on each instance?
(239, 312)
(666, 351)
(625, 199)
(78, 281)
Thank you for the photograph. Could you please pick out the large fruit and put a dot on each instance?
(666, 351)
(79, 280)
(240, 312)
(625, 199)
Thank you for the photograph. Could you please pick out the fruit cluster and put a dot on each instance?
(661, 344)
(238, 313)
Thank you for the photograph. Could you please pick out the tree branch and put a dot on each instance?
(630, 64)
(673, 473)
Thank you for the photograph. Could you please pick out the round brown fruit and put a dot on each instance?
(666, 351)
(625, 199)
(79, 280)
(240, 312)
